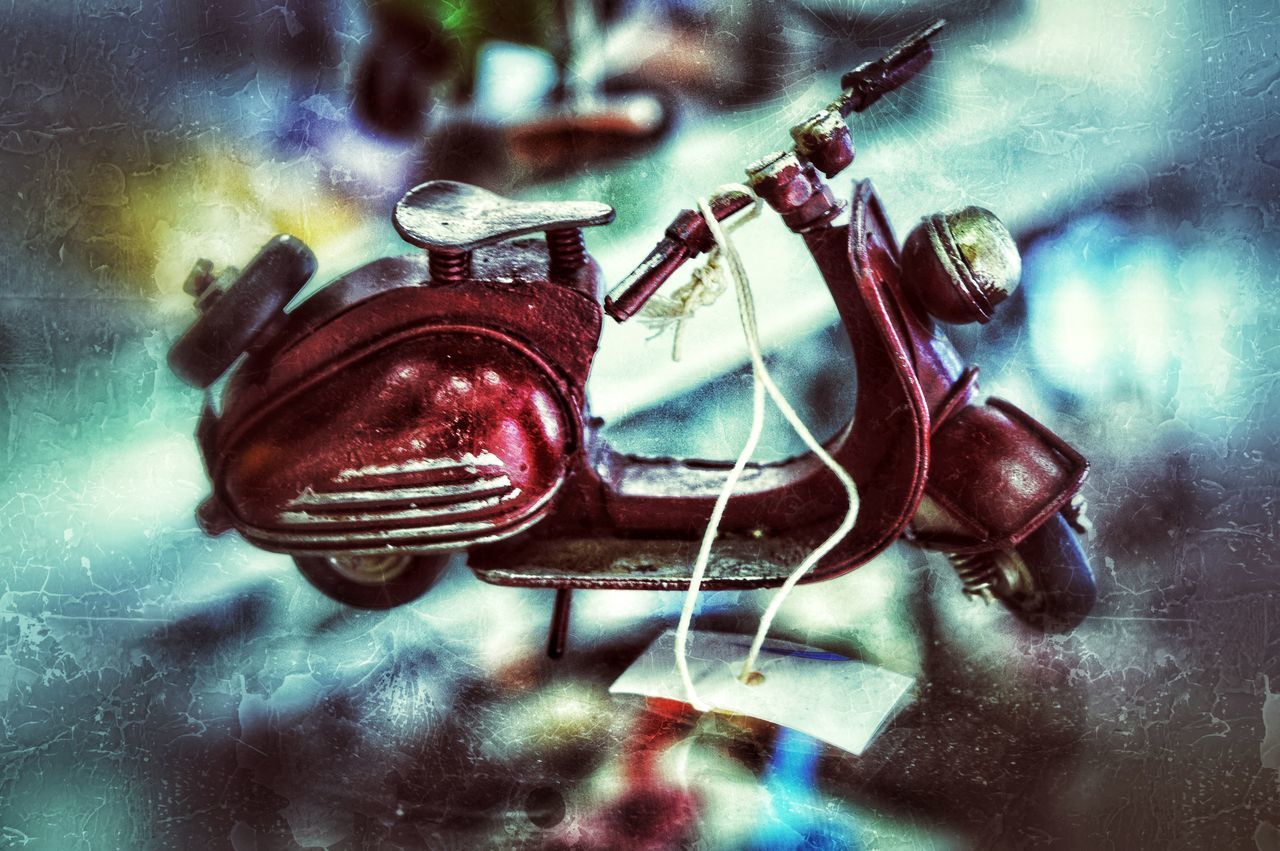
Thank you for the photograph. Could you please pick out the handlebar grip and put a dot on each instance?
(867, 83)
(635, 289)
(687, 236)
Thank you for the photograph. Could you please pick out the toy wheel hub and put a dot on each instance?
(371, 570)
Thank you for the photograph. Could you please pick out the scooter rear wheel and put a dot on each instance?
(373, 582)
(1047, 582)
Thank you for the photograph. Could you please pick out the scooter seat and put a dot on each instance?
(443, 215)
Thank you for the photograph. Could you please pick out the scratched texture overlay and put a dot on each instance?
(163, 689)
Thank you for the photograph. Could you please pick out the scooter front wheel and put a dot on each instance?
(373, 582)
(1046, 581)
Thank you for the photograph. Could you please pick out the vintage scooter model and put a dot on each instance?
(435, 402)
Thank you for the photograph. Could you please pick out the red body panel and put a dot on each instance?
(383, 417)
(449, 437)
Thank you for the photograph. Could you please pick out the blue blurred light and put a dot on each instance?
(1119, 315)
(512, 80)
(798, 819)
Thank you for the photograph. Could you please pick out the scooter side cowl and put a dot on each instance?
(437, 440)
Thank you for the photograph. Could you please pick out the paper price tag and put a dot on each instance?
(841, 701)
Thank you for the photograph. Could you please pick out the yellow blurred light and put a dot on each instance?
(143, 230)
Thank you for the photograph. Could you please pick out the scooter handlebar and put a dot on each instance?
(688, 234)
(636, 288)
(686, 237)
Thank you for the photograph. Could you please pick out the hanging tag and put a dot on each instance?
(841, 701)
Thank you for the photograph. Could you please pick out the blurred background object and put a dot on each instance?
(163, 690)
(573, 113)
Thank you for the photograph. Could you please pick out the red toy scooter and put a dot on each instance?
(435, 402)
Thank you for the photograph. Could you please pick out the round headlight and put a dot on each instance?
(960, 265)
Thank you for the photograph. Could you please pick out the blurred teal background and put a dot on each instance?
(161, 689)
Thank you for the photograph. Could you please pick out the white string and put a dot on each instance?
(722, 500)
(761, 382)
(704, 289)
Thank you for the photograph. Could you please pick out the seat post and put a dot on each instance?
(448, 266)
(450, 220)
(568, 252)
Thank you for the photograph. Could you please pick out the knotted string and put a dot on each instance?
(704, 289)
(762, 382)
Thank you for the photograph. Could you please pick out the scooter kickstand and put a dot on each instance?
(558, 635)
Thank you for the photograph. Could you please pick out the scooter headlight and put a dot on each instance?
(960, 265)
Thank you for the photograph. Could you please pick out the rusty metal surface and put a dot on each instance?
(963, 264)
(643, 564)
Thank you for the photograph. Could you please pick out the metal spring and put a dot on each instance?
(449, 265)
(977, 572)
(567, 249)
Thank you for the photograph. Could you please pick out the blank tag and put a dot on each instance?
(841, 701)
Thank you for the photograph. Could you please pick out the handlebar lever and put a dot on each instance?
(871, 81)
